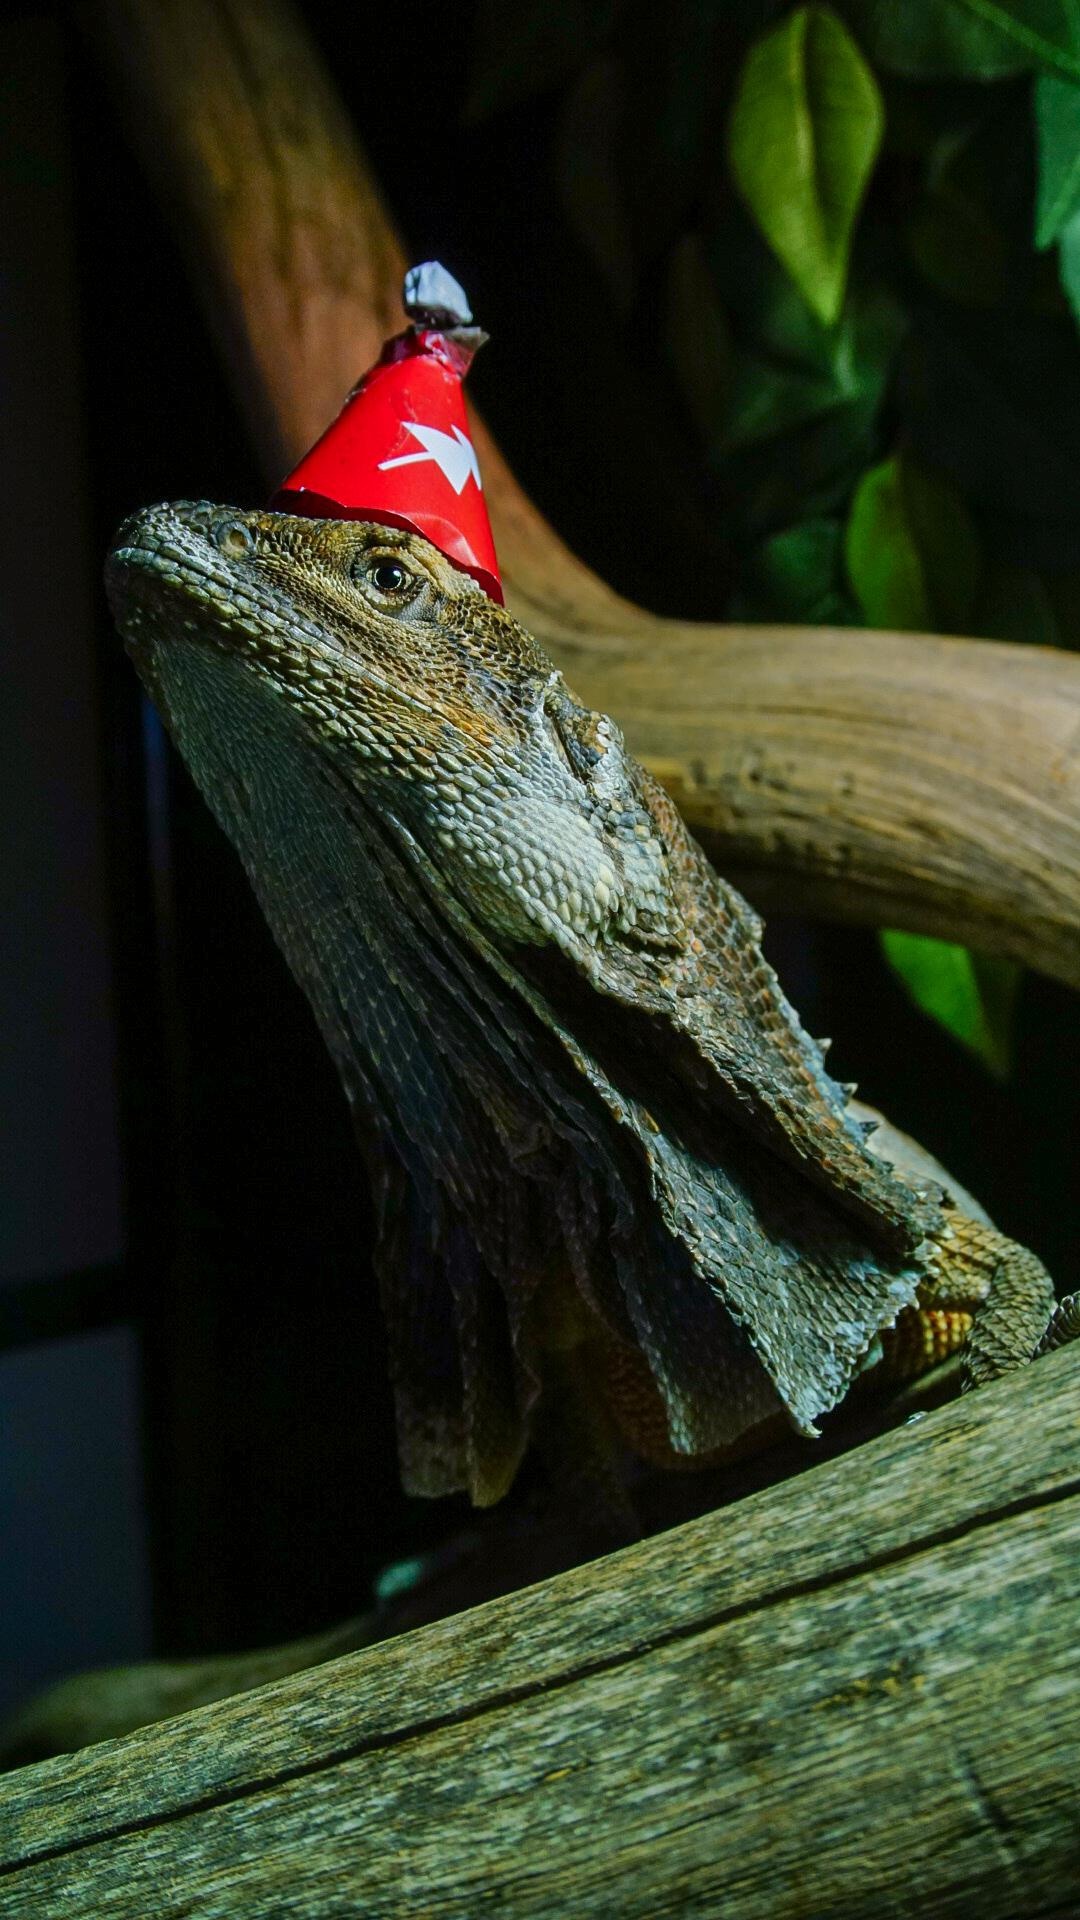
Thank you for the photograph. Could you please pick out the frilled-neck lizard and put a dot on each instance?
(610, 1163)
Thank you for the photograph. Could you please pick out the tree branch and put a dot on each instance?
(852, 1693)
(891, 778)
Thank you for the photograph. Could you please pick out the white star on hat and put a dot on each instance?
(453, 454)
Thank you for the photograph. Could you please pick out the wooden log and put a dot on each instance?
(856, 1692)
(890, 778)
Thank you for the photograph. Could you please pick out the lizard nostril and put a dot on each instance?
(233, 537)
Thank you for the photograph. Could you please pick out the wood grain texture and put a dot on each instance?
(891, 778)
(854, 1692)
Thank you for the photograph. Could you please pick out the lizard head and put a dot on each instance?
(364, 645)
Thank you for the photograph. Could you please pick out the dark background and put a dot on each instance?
(196, 1442)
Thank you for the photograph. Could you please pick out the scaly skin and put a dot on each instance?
(610, 1162)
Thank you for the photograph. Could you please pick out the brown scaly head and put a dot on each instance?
(602, 1141)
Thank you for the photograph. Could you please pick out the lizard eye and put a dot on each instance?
(389, 577)
(231, 537)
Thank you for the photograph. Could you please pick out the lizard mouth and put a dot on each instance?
(167, 580)
(152, 554)
(133, 588)
(125, 567)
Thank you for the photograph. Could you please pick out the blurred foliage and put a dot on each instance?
(805, 128)
(971, 994)
(847, 241)
(911, 549)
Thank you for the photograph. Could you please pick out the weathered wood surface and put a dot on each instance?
(856, 1692)
(920, 782)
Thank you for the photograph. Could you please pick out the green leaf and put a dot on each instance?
(883, 560)
(1047, 30)
(1057, 128)
(933, 40)
(911, 549)
(808, 473)
(802, 422)
(797, 575)
(767, 400)
(770, 318)
(805, 130)
(765, 307)
(965, 39)
(971, 995)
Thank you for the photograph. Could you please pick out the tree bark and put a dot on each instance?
(855, 1692)
(883, 777)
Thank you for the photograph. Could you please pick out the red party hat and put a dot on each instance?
(400, 451)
